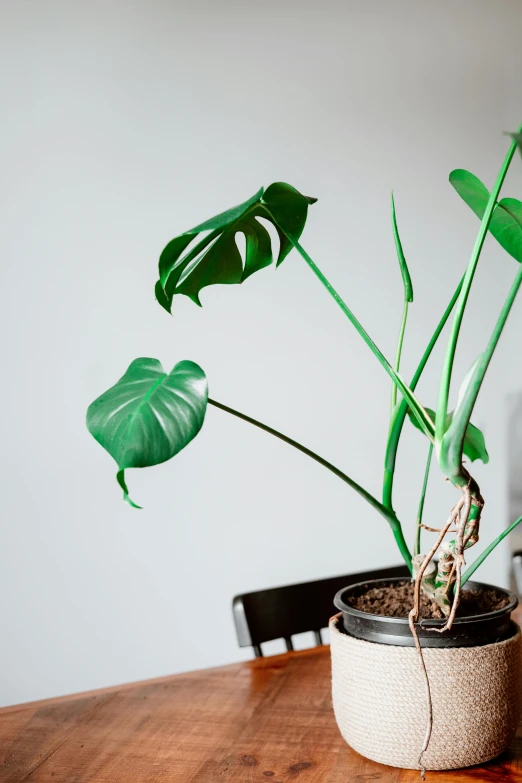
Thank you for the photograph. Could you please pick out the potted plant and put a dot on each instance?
(426, 673)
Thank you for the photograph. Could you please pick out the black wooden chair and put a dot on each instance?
(281, 612)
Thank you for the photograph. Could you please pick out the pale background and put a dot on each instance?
(125, 123)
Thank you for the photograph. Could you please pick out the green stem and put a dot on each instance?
(416, 549)
(397, 363)
(453, 443)
(501, 322)
(420, 414)
(400, 414)
(389, 515)
(468, 573)
(445, 381)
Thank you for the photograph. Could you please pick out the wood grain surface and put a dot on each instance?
(264, 721)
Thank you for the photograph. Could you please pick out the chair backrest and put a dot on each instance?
(517, 570)
(280, 612)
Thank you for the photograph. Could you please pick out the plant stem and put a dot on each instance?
(468, 573)
(453, 442)
(401, 411)
(420, 414)
(445, 381)
(389, 515)
(397, 363)
(416, 548)
(501, 322)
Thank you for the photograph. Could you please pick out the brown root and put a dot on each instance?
(429, 557)
(413, 618)
(435, 529)
(429, 725)
(458, 558)
(466, 535)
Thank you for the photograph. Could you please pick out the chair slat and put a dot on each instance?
(282, 612)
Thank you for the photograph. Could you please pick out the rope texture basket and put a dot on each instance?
(379, 700)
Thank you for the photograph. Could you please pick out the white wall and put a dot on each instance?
(125, 123)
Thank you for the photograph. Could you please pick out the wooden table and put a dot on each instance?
(268, 720)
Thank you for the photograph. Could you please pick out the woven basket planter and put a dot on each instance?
(380, 703)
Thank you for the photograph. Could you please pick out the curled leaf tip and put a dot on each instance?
(162, 298)
(129, 500)
(120, 478)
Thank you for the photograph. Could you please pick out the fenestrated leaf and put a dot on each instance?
(149, 416)
(506, 221)
(186, 266)
(474, 443)
(405, 272)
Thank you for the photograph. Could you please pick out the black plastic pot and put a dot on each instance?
(465, 632)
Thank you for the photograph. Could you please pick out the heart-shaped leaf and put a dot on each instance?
(474, 443)
(148, 416)
(215, 258)
(506, 221)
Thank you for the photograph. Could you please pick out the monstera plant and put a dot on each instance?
(151, 414)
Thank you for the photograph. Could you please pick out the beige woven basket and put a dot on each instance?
(380, 703)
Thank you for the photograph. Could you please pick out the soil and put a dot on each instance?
(396, 600)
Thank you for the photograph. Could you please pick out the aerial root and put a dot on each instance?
(450, 569)
(413, 618)
(459, 561)
(435, 529)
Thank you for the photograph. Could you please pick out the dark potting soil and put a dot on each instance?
(396, 600)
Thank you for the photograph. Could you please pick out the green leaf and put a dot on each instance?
(506, 221)
(148, 416)
(474, 443)
(186, 266)
(453, 443)
(406, 278)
